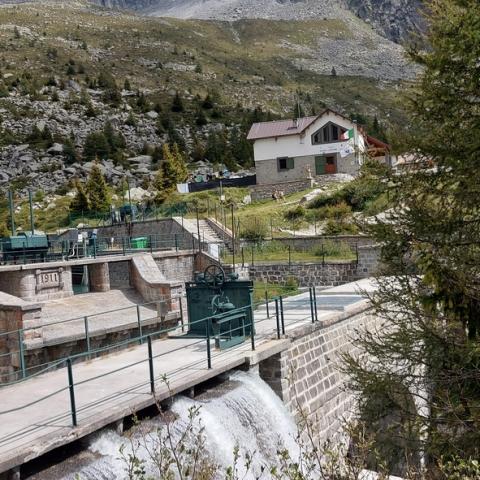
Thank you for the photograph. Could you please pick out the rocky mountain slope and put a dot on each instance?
(54, 55)
(395, 19)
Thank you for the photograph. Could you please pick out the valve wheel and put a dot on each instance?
(214, 276)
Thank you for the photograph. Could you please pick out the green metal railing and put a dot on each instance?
(152, 379)
(87, 335)
(101, 246)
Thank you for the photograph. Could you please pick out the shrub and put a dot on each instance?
(335, 227)
(295, 213)
(291, 283)
(253, 229)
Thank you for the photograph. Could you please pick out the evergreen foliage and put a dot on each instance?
(96, 146)
(97, 190)
(80, 202)
(428, 352)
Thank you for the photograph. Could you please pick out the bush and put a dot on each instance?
(295, 213)
(335, 227)
(291, 283)
(253, 229)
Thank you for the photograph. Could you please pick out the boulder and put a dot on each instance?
(55, 149)
(152, 115)
(145, 159)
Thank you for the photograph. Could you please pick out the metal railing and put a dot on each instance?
(65, 249)
(85, 328)
(152, 379)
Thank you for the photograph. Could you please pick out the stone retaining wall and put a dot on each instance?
(261, 192)
(306, 376)
(306, 274)
(15, 313)
(308, 243)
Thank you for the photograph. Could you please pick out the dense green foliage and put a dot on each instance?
(429, 295)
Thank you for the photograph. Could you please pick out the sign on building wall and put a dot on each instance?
(46, 279)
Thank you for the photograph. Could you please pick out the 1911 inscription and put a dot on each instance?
(49, 279)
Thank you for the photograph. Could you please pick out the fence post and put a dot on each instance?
(289, 255)
(150, 365)
(315, 303)
(87, 334)
(209, 352)
(151, 243)
(323, 254)
(123, 245)
(282, 318)
(266, 303)
(253, 261)
(311, 305)
(176, 242)
(21, 352)
(71, 389)
(243, 259)
(94, 248)
(252, 332)
(277, 318)
(139, 321)
(356, 251)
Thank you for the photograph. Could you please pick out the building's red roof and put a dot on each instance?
(280, 128)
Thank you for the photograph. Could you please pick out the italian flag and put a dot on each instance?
(347, 135)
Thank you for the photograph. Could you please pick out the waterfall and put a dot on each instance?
(243, 411)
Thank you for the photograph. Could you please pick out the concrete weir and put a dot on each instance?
(296, 353)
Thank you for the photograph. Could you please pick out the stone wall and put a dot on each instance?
(306, 375)
(167, 228)
(178, 267)
(37, 282)
(119, 273)
(368, 260)
(306, 274)
(261, 192)
(16, 313)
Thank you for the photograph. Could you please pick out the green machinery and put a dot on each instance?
(220, 306)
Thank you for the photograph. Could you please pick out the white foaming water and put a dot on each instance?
(249, 415)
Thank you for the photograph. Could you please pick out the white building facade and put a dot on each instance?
(290, 150)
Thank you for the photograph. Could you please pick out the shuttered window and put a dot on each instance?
(285, 163)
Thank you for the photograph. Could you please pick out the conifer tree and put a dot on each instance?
(428, 351)
(97, 190)
(80, 201)
(177, 104)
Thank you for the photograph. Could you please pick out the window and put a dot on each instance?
(285, 163)
(329, 133)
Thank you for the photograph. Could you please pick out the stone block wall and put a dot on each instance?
(368, 260)
(308, 243)
(328, 275)
(37, 282)
(119, 273)
(178, 266)
(15, 314)
(307, 376)
(261, 192)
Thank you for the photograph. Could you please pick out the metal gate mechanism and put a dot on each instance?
(222, 304)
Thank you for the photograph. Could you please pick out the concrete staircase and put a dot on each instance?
(207, 234)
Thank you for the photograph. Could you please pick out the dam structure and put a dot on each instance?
(79, 356)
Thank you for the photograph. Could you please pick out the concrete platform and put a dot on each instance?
(35, 415)
(113, 310)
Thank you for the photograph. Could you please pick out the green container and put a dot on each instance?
(139, 242)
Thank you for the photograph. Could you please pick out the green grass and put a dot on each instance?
(278, 252)
(273, 290)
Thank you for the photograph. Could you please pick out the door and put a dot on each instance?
(331, 166)
(320, 163)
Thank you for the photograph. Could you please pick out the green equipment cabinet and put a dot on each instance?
(26, 245)
(139, 242)
(222, 304)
